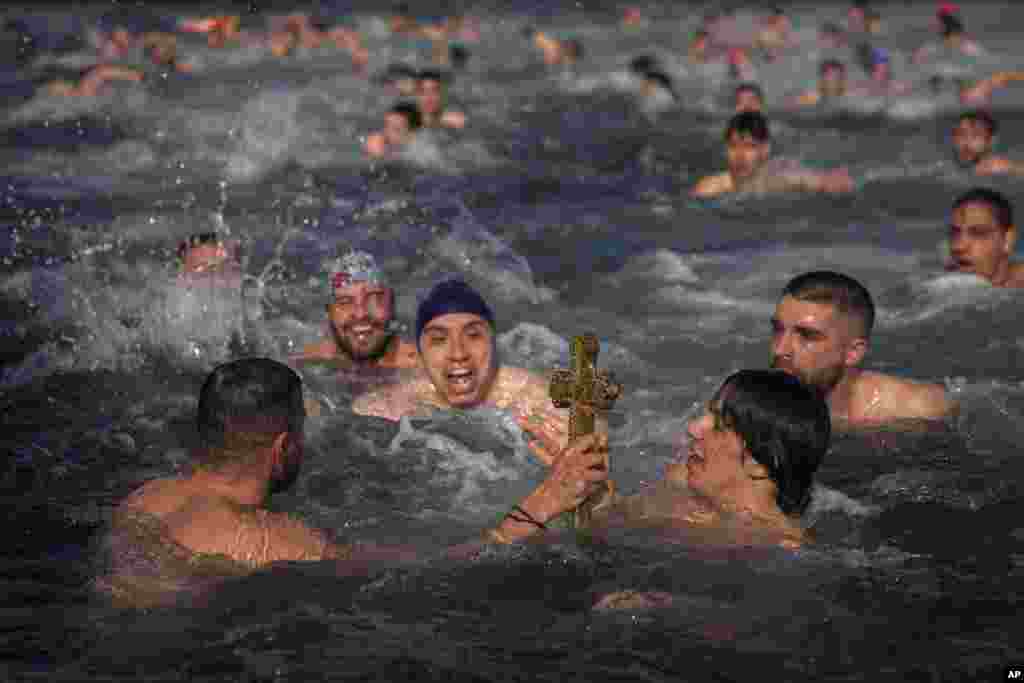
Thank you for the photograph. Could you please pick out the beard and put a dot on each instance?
(822, 379)
(376, 349)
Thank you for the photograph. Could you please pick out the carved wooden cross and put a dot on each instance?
(584, 390)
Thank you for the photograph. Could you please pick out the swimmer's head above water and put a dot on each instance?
(455, 335)
(821, 328)
(207, 253)
(747, 144)
(982, 236)
(361, 311)
(758, 443)
(832, 78)
(973, 137)
(748, 97)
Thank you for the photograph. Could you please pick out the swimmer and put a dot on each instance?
(831, 36)
(93, 81)
(972, 137)
(740, 65)
(250, 421)
(982, 236)
(751, 458)
(400, 125)
(555, 51)
(855, 16)
(162, 49)
(207, 253)
(980, 92)
(774, 34)
(954, 41)
(656, 86)
(455, 336)
(748, 97)
(831, 85)
(699, 49)
(360, 318)
(748, 149)
(820, 333)
(430, 97)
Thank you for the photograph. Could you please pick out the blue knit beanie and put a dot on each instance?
(451, 296)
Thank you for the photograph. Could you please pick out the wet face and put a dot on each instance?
(360, 316)
(748, 100)
(814, 342)
(715, 454)
(458, 351)
(206, 258)
(429, 96)
(745, 156)
(396, 129)
(978, 244)
(971, 141)
(832, 82)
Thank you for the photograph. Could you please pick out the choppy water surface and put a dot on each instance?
(566, 202)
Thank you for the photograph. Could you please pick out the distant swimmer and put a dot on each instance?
(832, 85)
(250, 420)
(430, 98)
(455, 336)
(750, 170)
(821, 331)
(954, 42)
(741, 67)
(982, 237)
(748, 97)
(401, 123)
(749, 466)
(93, 81)
(973, 137)
(555, 51)
(360, 318)
(774, 34)
(206, 254)
(978, 93)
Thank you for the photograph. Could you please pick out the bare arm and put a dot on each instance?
(712, 186)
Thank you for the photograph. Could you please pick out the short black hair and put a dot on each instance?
(641, 64)
(432, 75)
(410, 112)
(458, 55)
(1002, 210)
(951, 25)
(199, 239)
(750, 124)
(784, 424)
(847, 295)
(249, 402)
(981, 116)
(573, 48)
(662, 80)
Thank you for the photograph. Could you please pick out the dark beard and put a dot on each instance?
(824, 380)
(373, 355)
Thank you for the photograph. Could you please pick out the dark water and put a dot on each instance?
(566, 202)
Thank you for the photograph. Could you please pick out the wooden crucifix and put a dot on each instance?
(584, 390)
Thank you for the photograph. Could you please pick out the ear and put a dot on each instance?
(279, 453)
(1010, 239)
(855, 352)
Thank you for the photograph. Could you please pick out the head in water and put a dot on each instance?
(821, 328)
(747, 144)
(748, 97)
(952, 30)
(982, 235)
(455, 336)
(832, 78)
(881, 65)
(401, 122)
(972, 137)
(430, 94)
(764, 432)
(362, 308)
(209, 253)
(247, 407)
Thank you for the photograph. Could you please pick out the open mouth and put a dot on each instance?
(362, 333)
(461, 380)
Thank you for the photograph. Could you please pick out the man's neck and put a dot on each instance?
(840, 398)
(240, 486)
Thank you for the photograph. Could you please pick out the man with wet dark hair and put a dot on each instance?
(973, 137)
(748, 97)
(982, 237)
(820, 333)
(250, 421)
(832, 84)
(748, 148)
(430, 98)
(401, 123)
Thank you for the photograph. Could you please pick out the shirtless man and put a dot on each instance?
(954, 41)
(400, 125)
(982, 236)
(455, 336)
(831, 85)
(973, 136)
(430, 97)
(250, 421)
(820, 333)
(207, 252)
(93, 80)
(360, 318)
(748, 148)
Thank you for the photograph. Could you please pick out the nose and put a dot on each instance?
(360, 308)
(782, 344)
(457, 349)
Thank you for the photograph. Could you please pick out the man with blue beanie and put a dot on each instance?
(455, 336)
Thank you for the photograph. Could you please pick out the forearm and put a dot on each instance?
(528, 518)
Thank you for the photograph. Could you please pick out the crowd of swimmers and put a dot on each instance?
(751, 454)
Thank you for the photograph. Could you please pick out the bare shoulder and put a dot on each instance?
(900, 398)
(713, 185)
(407, 356)
(394, 400)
